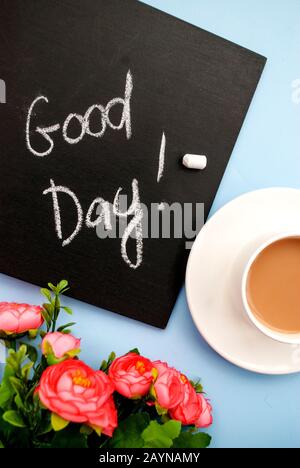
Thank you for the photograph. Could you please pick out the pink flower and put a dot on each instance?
(168, 387)
(205, 419)
(107, 417)
(60, 344)
(79, 394)
(131, 375)
(190, 409)
(19, 318)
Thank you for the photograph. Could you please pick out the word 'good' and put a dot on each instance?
(83, 120)
(133, 227)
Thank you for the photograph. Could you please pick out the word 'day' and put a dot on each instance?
(134, 226)
(83, 120)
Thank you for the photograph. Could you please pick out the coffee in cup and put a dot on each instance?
(271, 288)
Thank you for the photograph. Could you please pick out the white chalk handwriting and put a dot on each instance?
(134, 226)
(83, 120)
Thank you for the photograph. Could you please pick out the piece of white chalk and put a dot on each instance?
(195, 161)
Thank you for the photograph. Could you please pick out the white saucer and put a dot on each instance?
(214, 272)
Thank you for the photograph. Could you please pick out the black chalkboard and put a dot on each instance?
(60, 57)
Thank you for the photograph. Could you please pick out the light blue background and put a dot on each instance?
(249, 410)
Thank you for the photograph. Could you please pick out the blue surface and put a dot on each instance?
(249, 410)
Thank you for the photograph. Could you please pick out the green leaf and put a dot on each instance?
(31, 352)
(46, 317)
(190, 440)
(71, 437)
(26, 370)
(14, 418)
(52, 287)
(5, 397)
(161, 435)
(62, 285)
(68, 310)
(135, 351)
(73, 352)
(63, 327)
(103, 366)
(13, 437)
(47, 313)
(16, 358)
(1, 445)
(58, 423)
(21, 354)
(6, 389)
(49, 308)
(97, 429)
(16, 384)
(197, 386)
(111, 357)
(46, 293)
(8, 372)
(12, 362)
(128, 433)
(106, 364)
(19, 403)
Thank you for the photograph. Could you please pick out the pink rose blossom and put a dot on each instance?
(61, 343)
(168, 387)
(79, 394)
(190, 409)
(131, 375)
(107, 417)
(205, 419)
(19, 318)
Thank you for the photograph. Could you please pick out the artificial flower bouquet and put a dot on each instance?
(50, 398)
